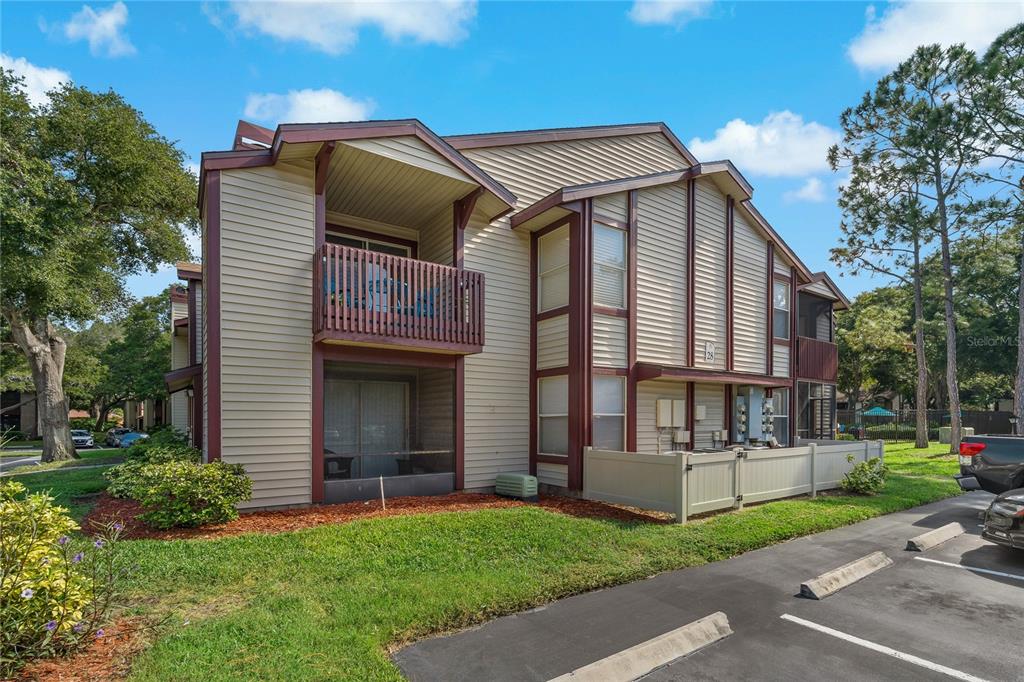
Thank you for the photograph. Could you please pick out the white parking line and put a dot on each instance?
(972, 569)
(909, 658)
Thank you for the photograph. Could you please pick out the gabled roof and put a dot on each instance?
(299, 133)
(189, 271)
(547, 209)
(504, 139)
(822, 278)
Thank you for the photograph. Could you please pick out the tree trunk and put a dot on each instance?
(921, 389)
(45, 352)
(952, 385)
(1018, 386)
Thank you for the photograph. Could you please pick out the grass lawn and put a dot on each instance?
(90, 457)
(328, 602)
(70, 488)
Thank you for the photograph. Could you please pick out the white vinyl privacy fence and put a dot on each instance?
(687, 483)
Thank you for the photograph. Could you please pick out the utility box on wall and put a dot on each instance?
(753, 399)
(671, 413)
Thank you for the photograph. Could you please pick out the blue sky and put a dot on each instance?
(762, 83)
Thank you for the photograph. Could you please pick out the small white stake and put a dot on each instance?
(382, 505)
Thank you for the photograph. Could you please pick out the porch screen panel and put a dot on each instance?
(341, 416)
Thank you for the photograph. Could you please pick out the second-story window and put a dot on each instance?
(553, 269)
(609, 266)
(780, 312)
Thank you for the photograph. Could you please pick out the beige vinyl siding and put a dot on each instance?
(410, 150)
(266, 317)
(820, 289)
(179, 400)
(553, 342)
(532, 171)
(609, 339)
(178, 311)
(823, 327)
(647, 395)
(780, 360)
(750, 298)
(497, 380)
(613, 206)
(712, 397)
(661, 275)
(435, 242)
(709, 275)
(553, 474)
(781, 264)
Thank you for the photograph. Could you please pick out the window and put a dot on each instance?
(553, 415)
(780, 314)
(780, 404)
(609, 428)
(609, 266)
(368, 244)
(553, 269)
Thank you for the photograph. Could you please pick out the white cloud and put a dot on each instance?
(889, 39)
(672, 12)
(812, 190)
(307, 106)
(783, 144)
(103, 30)
(333, 27)
(39, 80)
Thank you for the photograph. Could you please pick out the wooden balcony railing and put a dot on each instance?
(369, 297)
(817, 359)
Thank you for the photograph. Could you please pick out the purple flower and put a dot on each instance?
(27, 593)
(98, 544)
(63, 540)
(78, 557)
(77, 627)
(51, 626)
(99, 633)
(118, 525)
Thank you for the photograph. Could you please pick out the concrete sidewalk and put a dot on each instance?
(754, 590)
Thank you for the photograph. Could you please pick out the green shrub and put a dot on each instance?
(866, 478)
(55, 594)
(188, 494)
(87, 423)
(124, 478)
(845, 436)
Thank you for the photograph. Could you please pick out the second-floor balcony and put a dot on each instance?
(817, 359)
(371, 298)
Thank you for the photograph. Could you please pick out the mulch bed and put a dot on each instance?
(109, 509)
(106, 658)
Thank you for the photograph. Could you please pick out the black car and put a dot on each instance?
(1004, 519)
(992, 463)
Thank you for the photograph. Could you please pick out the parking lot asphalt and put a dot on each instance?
(926, 620)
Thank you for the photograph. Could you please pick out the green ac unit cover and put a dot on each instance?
(516, 485)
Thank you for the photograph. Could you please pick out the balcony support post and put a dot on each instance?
(462, 209)
(323, 159)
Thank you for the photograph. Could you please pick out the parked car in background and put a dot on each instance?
(132, 437)
(1004, 519)
(82, 438)
(992, 463)
(114, 436)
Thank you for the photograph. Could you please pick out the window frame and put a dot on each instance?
(787, 309)
(622, 393)
(541, 416)
(624, 269)
(332, 237)
(542, 274)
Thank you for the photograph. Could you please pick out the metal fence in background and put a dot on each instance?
(901, 425)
